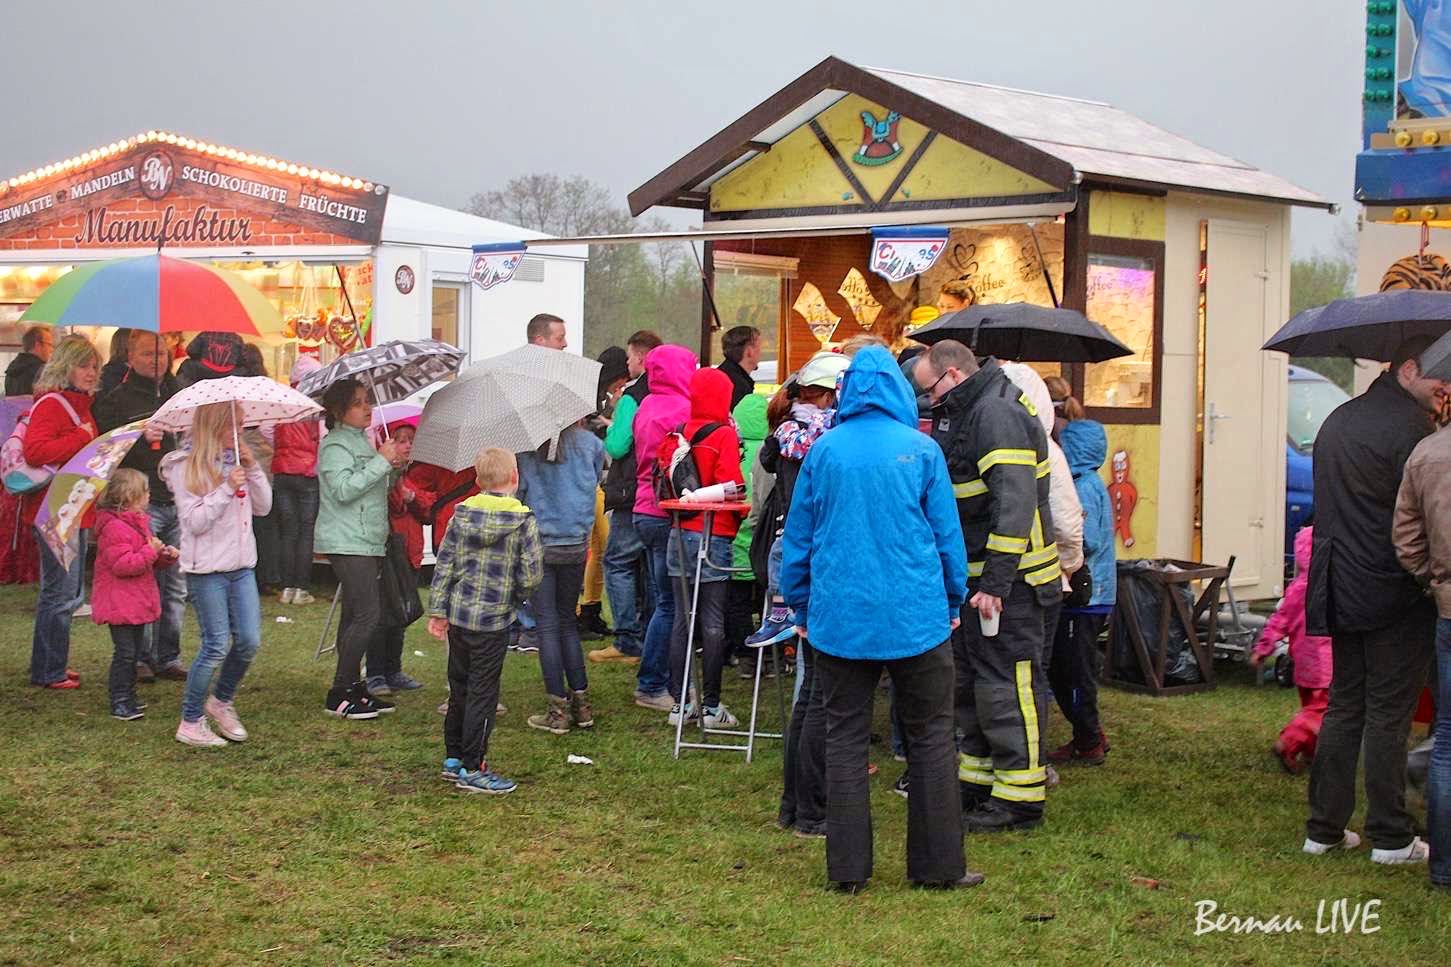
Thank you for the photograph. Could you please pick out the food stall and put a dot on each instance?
(322, 246)
(1181, 252)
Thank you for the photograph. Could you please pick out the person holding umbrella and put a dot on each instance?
(218, 486)
(352, 530)
(60, 425)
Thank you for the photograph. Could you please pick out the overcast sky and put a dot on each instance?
(442, 99)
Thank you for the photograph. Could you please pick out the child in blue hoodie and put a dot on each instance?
(1073, 667)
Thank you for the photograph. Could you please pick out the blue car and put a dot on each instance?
(1311, 399)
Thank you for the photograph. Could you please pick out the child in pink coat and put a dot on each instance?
(124, 594)
(1311, 654)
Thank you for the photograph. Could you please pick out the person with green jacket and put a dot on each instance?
(352, 530)
(745, 592)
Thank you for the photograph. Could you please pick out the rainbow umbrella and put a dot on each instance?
(78, 484)
(156, 293)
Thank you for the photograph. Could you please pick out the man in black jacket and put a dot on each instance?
(35, 348)
(741, 347)
(1380, 622)
(997, 456)
(145, 386)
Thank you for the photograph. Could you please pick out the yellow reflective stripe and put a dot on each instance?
(1021, 777)
(1019, 458)
(1047, 574)
(969, 488)
(1020, 794)
(974, 761)
(1043, 469)
(1038, 558)
(976, 777)
(974, 569)
(1036, 534)
(1027, 403)
(1007, 545)
(1029, 707)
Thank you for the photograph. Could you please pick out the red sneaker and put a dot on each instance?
(72, 674)
(1069, 753)
(65, 683)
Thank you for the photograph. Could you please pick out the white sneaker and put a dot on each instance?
(286, 596)
(198, 734)
(299, 596)
(720, 717)
(84, 611)
(225, 716)
(1350, 841)
(690, 714)
(1416, 851)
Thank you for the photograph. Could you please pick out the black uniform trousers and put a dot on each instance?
(1002, 705)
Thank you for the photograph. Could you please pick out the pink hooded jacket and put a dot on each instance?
(667, 406)
(124, 591)
(1310, 653)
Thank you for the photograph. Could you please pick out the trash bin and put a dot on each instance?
(1155, 645)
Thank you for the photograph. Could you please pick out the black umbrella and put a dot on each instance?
(1025, 332)
(1365, 327)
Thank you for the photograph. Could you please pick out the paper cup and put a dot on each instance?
(989, 625)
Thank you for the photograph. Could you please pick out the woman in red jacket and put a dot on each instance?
(717, 460)
(60, 425)
(295, 496)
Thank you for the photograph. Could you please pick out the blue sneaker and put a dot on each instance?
(776, 627)
(486, 781)
(451, 768)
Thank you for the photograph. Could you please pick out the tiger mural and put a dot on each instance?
(1428, 271)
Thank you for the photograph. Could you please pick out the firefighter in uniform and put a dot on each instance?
(997, 456)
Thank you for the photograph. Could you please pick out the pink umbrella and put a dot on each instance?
(79, 484)
(406, 413)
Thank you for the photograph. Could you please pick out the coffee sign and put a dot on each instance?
(158, 194)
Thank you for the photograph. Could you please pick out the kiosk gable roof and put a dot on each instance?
(1058, 139)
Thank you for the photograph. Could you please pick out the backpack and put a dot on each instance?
(675, 470)
(19, 476)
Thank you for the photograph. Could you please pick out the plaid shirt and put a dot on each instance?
(490, 563)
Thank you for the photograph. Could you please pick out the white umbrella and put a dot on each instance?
(516, 401)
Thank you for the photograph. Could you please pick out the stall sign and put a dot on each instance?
(404, 278)
(154, 193)
(900, 253)
(495, 264)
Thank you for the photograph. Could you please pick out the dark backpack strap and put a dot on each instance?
(460, 491)
(703, 432)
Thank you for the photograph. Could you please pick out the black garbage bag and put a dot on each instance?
(1138, 600)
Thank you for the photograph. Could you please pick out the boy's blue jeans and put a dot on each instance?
(1438, 793)
(230, 617)
(62, 591)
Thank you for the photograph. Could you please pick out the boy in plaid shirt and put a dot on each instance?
(490, 563)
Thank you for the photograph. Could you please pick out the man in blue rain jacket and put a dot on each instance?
(874, 567)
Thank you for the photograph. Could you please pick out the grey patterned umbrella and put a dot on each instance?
(516, 401)
(393, 370)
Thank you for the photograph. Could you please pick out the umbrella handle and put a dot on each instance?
(237, 449)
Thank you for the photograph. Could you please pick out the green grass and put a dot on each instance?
(320, 841)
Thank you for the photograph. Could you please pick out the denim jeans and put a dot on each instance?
(230, 618)
(294, 505)
(127, 642)
(561, 656)
(717, 557)
(1438, 792)
(163, 636)
(62, 591)
(264, 529)
(624, 555)
(653, 677)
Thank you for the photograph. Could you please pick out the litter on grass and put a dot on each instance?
(579, 760)
(282, 619)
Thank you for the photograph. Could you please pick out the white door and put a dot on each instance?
(1243, 427)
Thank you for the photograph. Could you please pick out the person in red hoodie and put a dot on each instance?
(717, 460)
(125, 595)
(407, 509)
(295, 496)
(60, 425)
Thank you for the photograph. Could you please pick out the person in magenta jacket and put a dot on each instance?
(1295, 748)
(125, 595)
(668, 369)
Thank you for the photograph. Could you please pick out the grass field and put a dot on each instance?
(320, 841)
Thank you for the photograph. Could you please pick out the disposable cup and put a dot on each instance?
(989, 625)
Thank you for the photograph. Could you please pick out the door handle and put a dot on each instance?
(1213, 419)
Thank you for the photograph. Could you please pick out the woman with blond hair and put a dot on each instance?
(60, 424)
(218, 490)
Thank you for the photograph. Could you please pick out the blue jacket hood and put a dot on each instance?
(873, 383)
(1085, 444)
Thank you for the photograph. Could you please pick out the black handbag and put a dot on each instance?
(399, 585)
(1080, 588)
